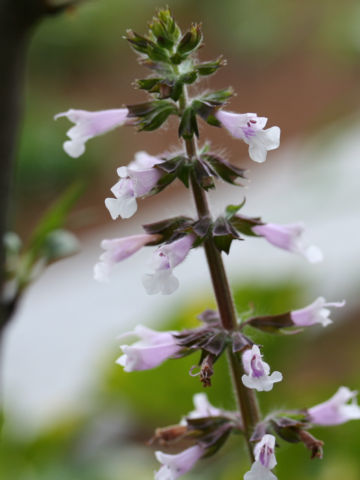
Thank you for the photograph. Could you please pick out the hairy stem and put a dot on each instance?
(246, 398)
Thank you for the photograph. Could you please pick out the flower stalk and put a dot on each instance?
(245, 398)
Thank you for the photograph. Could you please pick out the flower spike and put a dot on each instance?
(89, 125)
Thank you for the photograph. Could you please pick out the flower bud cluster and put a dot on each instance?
(169, 54)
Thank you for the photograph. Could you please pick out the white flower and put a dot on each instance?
(124, 204)
(162, 281)
(203, 407)
(264, 451)
(116, 250)
(259, 472)
(250, 128)
(136, 180)
(173, 466)
(316, 312)
(89, 125)
(289, 237)
(336, 410)
(165, 259)
(265, 460)
(257, 372)
(152, 349)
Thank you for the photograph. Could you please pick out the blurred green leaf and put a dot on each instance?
(54, 218)
(59, 244)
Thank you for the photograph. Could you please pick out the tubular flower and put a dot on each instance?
(89, 125)
(136, 180)
(316, 312)
(116, 250)
(250, 128)
(173, 466)
(264, 460)
(289, 237)
(336, 410)
(257, 372)
(165, 259)
(152, 349)
(203, 407)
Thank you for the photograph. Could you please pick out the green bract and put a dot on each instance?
(171, 55)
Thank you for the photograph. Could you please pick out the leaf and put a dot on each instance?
(146, 46)
(54, 218)
(148, 83)
(239, 342)
(188, 78)
(169, 227)
(219, 97)
(288, 429)
(207, 105)
(59, 244)
(12, 243)
(272, 323)
(158, 116)
(162, 183)
(164, 29)
(224, 169)
(209, 316)
(204, 174)
(142, 109)
(173, 164)
(215, 344)
(231, 210)
(189, 42)
(175, 168)
(244, 224)
(223, 234)
(259, 431)
(209, 68)
(188, 125)
(201, 227)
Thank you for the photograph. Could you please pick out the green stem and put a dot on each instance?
(246, 398)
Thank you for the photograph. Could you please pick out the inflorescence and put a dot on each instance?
(172, 59)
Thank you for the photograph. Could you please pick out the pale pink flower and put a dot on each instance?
(116, 250)
(89, 125)
(314, 313)
(289, 237)
(258, 372)
(203, 407)
(136, 180)
(173, 466)
(152, 349)
(336, 410)
(165, 259)
(250, 128)
(265, 460)
(264, 451)
(259, 472)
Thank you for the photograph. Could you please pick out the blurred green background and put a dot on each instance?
(299, 63)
